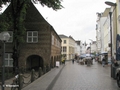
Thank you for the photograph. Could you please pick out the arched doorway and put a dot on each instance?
(34, 62)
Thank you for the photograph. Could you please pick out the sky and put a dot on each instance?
(77, 18)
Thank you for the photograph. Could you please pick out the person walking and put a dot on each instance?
(103, 61)
(73, 61)
(64, 59)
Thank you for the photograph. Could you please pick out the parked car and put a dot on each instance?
(118, 77)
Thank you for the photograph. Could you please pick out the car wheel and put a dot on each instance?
(118, 80)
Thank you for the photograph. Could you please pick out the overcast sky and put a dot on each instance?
(77, 18)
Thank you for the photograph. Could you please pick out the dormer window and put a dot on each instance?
(32, 36)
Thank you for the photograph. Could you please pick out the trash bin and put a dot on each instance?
(114, 68)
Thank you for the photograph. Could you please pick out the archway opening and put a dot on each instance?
(34, 62)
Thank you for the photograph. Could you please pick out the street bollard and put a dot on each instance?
(32, 75)
(40, 72)
(44, 70)
(20, 81)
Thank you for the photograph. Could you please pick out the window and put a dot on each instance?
(64, 49)
(52, 40)
(64, 42)
(11, 36)
(56, 42)
(8, 60)
(32, 36)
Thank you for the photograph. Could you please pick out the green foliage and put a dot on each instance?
(21, 29)
(20, 7)
(4, 23)
(4, 2)
(55, 4)
(63, 55)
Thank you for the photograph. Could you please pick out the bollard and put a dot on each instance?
(22, 70)
(32, 75)
(49, 67)
(20, 81)
(44, 70)
(40, 72)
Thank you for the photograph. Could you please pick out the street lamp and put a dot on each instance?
(90, 49)
(110, 14)
(4, 36)
(90, 46)
(110, 3)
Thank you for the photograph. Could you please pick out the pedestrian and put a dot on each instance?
(76, 56)
(73, 61)
(64, 60)
(103, 61)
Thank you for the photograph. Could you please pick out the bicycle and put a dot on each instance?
(16, 85)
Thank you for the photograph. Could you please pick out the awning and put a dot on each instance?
(103, 53)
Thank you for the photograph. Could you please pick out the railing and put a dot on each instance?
(25, 79)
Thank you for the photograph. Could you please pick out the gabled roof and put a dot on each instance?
(56, 33)
(32, 15)
(62, 36)
(71, 37)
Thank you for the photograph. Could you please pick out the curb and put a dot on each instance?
(45, 82)
(54, 80)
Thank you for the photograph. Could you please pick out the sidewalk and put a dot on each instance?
(45, 81)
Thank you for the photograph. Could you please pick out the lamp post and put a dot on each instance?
(4, 36)
(110, 15)
(90, 46)
(90, 49)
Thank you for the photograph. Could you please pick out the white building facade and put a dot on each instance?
(68, 47)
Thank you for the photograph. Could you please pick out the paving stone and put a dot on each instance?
(82, 77)
(76, 77)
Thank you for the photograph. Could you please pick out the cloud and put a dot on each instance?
(77, 18)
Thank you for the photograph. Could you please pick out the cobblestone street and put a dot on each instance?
(82, 77)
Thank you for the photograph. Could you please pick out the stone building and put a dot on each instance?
(42, 44)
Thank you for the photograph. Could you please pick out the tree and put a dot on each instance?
(18, 13)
